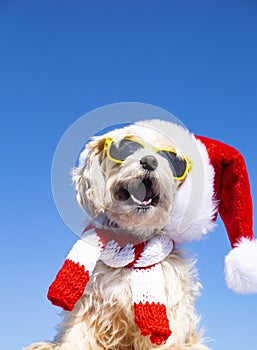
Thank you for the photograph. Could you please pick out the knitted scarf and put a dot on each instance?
(146, 282)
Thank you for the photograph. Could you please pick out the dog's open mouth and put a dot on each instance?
(140, 192)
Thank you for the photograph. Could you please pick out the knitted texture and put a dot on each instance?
(147, 280)
(148, 297)
(63, 292)
(153, 321)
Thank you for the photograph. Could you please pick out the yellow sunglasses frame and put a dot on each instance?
(110, 140)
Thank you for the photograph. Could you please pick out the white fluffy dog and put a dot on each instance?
(139, 179)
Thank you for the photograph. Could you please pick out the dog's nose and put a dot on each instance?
(149, 163)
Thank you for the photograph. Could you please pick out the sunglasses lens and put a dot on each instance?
(121, 150)
(177, 164)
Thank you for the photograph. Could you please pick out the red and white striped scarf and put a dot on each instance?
(147, 280)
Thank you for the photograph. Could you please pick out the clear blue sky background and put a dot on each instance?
(61, 59)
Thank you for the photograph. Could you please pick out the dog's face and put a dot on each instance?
(129, 177)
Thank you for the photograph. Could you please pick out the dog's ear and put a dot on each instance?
(89, 178)
(96, 146)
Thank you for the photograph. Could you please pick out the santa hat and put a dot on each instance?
(232, 191)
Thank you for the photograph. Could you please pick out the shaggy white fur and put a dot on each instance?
(103, 319)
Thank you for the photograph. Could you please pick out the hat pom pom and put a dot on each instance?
(241, 267)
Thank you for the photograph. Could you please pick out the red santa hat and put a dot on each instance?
(232, 191)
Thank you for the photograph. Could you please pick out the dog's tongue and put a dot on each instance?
(141, 192)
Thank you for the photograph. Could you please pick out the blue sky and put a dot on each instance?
(61, 59)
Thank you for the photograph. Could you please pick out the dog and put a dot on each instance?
(138, 179)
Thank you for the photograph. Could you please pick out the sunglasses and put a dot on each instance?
(117, 152)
